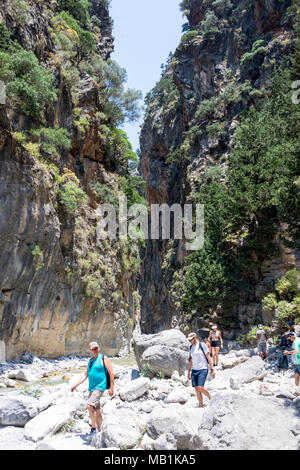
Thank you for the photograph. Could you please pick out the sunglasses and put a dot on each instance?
(94, 349)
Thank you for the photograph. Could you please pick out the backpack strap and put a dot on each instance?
(200, 346)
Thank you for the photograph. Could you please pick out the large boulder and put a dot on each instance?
(229, 361)
(12, 438)
(180, 421)
(122, 428)
(48, 422)
(247, 372)
(166, 351)
(179, 395)
(135, 389)
(17, 410)
(25, 375)
(236, 421)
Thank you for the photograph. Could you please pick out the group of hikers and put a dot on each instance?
(203, 356)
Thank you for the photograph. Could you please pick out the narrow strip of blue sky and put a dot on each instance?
(145, 32)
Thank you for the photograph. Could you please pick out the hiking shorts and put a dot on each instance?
(215, 344)
(199, 377)
(94, 398)
(262, 348)
(297, 369)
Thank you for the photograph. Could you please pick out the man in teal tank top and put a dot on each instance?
(95, 372)
(296, 357)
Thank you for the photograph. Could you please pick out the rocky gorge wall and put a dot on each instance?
(186, 143)
(60, 287)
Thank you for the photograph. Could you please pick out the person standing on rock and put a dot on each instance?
(296, 356)
(95, 372)
(216, 343)
(199, 361)
(262, 343)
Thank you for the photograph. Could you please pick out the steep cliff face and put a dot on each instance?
(60, 157)
(224, 65)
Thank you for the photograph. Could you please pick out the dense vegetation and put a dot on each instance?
(262, 189)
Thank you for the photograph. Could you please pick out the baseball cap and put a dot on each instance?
(260, 327)
(93, 344)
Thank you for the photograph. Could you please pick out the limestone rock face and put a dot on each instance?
(45, 303)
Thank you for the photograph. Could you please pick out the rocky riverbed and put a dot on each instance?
(253, 406)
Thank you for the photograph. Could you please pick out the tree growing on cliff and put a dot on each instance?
(29, 85)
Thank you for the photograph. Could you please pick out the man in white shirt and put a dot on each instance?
(199, 361)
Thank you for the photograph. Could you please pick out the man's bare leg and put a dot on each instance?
(98, 415)
(199, 391)
(199, 396)
(92, 413)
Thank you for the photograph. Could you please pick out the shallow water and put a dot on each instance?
(60, 377)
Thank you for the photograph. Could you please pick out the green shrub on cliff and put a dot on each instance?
(288, 286)
(256, 55)
(222, 7)
(209, 26)
(269, 303)
(71, 196)
(5, 37)
(38, 256)
(52, 140)
(79, 9)
(29, 85)
(188, 37)
(18, 9)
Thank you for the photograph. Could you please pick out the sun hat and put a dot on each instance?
(192, 336)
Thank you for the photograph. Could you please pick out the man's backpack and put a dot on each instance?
(106, 375)
(283, 362)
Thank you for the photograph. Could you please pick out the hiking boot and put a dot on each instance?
(93, 431)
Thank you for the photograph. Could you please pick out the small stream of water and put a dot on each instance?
(63, 376)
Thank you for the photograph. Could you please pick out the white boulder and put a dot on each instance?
(135, 389)
(48, 422)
